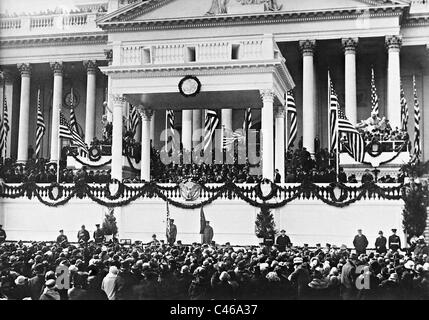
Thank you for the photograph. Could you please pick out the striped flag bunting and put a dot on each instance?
(417, 145)
(40, 131)
(134, 119)
(333, 118)
(73, 121)
(374, 95)
(4, 126)
(67, 132)
(210, 125)
(291, 109)
(247, 123)
(354, 142)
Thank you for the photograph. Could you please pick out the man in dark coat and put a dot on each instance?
(62, 239)
(380, 243)
(37, 282)
(83, 235)
(98, 234)
(2, 234)
(283, 241)
(348, 279)
(172, 233)
(208, 233)
(394, 241)
(360, 242)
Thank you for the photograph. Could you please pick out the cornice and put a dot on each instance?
(55, 40)
(416, 20)
(259, 18)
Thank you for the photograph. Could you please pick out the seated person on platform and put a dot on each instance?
(371, 123)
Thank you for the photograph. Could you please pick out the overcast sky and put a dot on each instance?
(33, 5)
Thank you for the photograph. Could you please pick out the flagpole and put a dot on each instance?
(166, 129)
(329, 112)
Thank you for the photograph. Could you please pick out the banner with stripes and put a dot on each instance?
(73, 121)
(354, 142)
(4, 126)
(333, 118)
(133, 119)
(417, 146)
(247, 123)
(210, 125)
(404, 111)
(291, 109)
(374, 95)
(40, 131)
(67, 132)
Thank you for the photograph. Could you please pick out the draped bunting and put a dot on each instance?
(335, 194)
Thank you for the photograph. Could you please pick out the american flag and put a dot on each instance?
(167, 230)
(333, 118)
(67, 132)
(417, 147)
(134, 119)
(210, 125)
(374, 96)
(354, 143)
(291, 109)
(247, 123)
(404, 111)
(4, 126)
(73, 121)
(40, 131)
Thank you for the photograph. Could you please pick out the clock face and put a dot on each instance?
(68, 100)
(189, 86)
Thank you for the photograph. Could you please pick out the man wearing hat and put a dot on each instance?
(380, 243)
(348, 278)
(98, 234)
(208, 233)
(2, 234)
(283, 241)
(83, 235)
(360, 242)
(62, 239)
(394, 241)
(171, 233)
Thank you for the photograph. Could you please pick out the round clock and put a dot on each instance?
(68, 99)
(189, 86)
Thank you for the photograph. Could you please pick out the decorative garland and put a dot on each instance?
(92, 166)
(127, 194)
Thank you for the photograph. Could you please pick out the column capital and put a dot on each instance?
(108, 53)
(307, 47)
(146, 114)
(118, 99)
(349, 45)
(91, 66)
(393, 43)
(279, 112)
(267, 94)
(25, 69)
(57, 67)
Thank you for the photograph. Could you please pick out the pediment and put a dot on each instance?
(151, 10)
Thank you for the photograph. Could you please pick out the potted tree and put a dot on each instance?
(109, 227)
(265, 228)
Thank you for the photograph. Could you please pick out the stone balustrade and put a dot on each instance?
(217, 51)
(49, 24)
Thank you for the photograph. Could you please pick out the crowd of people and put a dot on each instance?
(158, 270)
(41, 171)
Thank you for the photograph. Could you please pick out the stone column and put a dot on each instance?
(24, 112)
(109, 107)
(91, 91)
(57, 99)
(393, 114)
(267, 124)
(187, 129)
(118, 107)
(146, 115)
(8, 93)
(349, 46)
(227, 119)
(280, 141)
(308, 100)
(196, 126)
